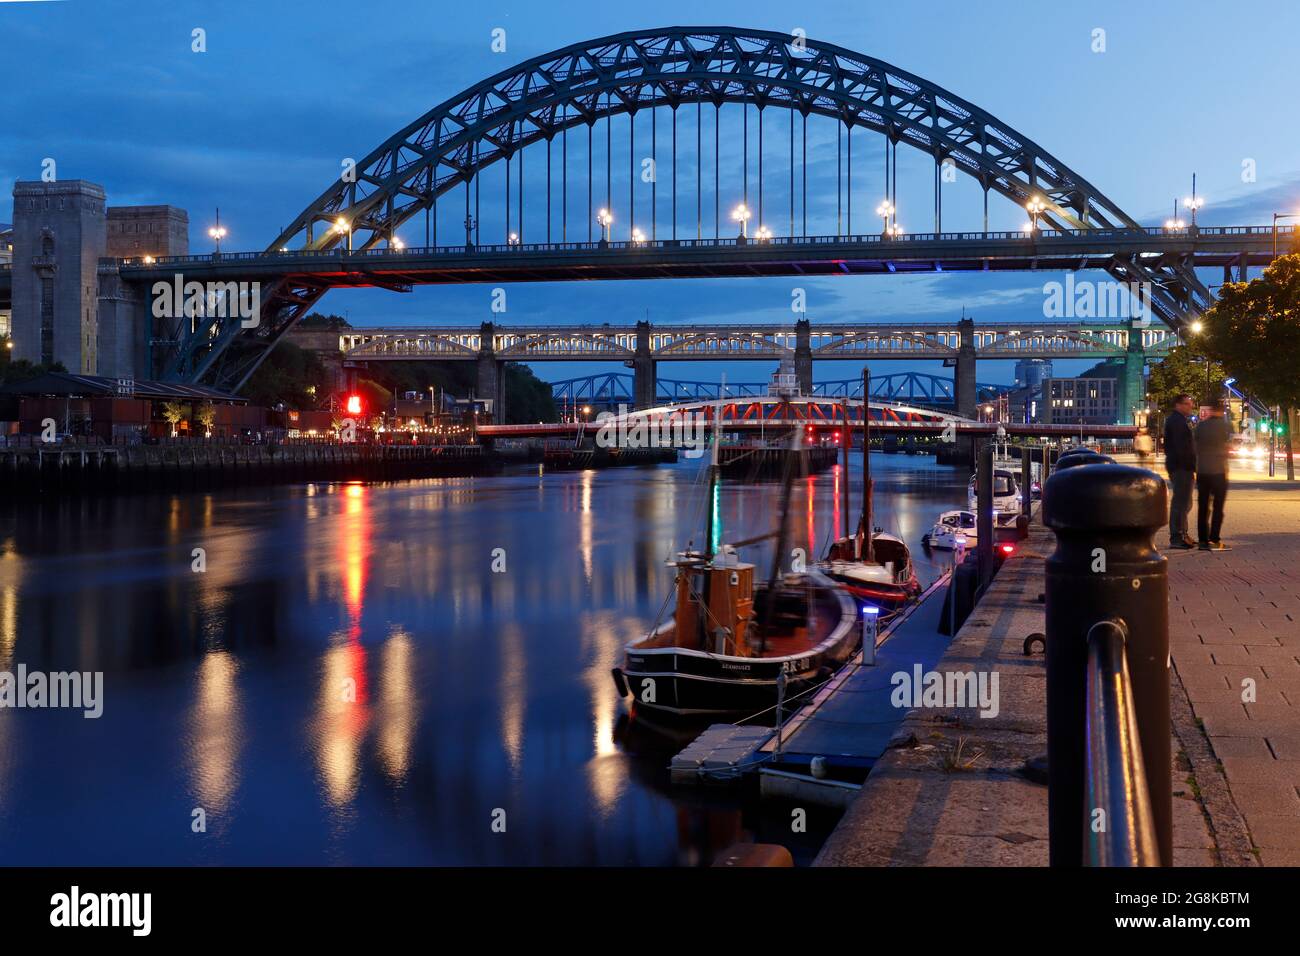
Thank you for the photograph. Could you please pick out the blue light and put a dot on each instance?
(870, 609)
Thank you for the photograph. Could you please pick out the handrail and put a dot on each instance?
(1124, 835)
(1045, 236)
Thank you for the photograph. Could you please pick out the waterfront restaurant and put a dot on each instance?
(125, 410)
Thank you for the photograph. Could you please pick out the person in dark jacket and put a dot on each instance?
(1212, 436)
(1180, 463)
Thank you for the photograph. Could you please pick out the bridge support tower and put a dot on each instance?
(1131, 394)
(491, 374)
(803, 361)
(965, 395)
(644, 375)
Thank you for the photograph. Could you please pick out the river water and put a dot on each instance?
(349, 681)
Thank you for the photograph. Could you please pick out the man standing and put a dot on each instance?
(1180, 462)
(1212, 436)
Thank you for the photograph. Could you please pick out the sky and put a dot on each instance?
(258, 124)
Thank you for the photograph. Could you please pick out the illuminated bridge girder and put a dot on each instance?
(713, 343)
(582, 84)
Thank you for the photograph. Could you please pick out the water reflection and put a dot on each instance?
(350, 681)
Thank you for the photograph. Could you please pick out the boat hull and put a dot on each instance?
(690, 683)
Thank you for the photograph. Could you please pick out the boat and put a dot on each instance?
(731, 640)
(874, 566)
(952, 528)
(1006, 492)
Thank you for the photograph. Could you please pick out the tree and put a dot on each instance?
(206, 415)
(1183, 372)
(1254, 330)
(173, 414)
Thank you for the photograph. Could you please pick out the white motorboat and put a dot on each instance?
(951, 526)
(1006, 492)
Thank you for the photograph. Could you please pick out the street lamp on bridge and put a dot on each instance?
(741, 215)
(218, 232)
(606, 219)
(1035, 207)
(344, 228)
(884, 211)
(1194, 203)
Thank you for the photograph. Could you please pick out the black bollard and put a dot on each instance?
(1026, 482)
(984, 516)
(1075, 459)
(1105, 567)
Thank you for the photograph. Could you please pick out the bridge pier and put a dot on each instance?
(491, 374)
(644, 380)
(1131, 396)
(965, 396)
(803, 361)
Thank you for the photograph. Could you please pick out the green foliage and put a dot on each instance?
(1254, 330)
(317, 322)
(288, 375)
(1183, 371)
(173, 413)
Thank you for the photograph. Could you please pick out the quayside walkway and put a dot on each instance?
(954, 790)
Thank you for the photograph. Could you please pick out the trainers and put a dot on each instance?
(1219, 546)
(1204, 547)
(1179, 546)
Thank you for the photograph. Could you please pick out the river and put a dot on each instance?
(405, 673)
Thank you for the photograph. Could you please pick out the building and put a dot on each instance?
(134, 232)
(1031, 372)
(69, 303)
(1071, 401)
(122, 410)
(6, 258)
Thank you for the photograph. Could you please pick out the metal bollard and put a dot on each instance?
(1105, 567)
(1075, 459)
(984, 517)
(870, 629)
(1026, 482)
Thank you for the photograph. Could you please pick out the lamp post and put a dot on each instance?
(741, 215)
(343, 228)
(606, 219)
(884, 211)
(218, 232)
(1035, 207)
(638, 236)
(763, 233)
(1194, 202)
(469, 232)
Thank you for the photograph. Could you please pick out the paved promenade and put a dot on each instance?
(951, 790)
(1235, 641)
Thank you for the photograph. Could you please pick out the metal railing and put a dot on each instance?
(1119, 828)
(1043, 235)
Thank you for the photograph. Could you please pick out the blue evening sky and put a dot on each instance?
(259, 124)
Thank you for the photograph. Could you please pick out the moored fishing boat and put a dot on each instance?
(873, 566)
(730, 640)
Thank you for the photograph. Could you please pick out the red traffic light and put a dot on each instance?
(354, 404)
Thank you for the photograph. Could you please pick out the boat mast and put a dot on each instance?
(867, 551)
(711, 506)
(844, 469)
(783, 531)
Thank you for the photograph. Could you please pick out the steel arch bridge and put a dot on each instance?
(611, 389)
(494, 121)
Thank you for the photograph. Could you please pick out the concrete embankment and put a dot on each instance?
(96, 468)
(953, 789)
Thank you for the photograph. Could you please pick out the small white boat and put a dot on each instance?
(949, 527)
(1006, 492)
